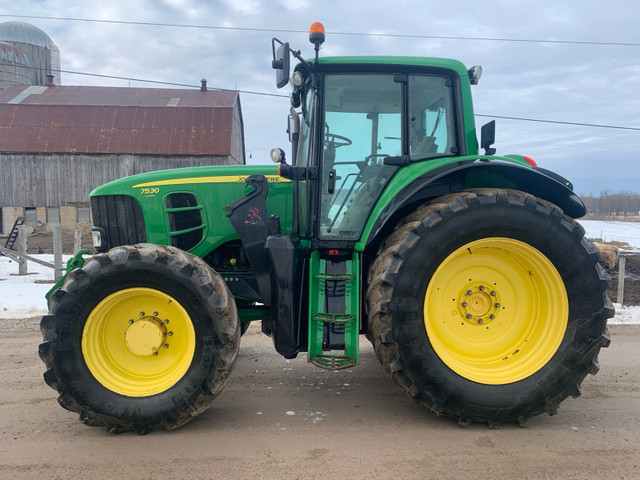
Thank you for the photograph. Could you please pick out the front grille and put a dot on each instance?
(121, 219)
(181, 200)
(185, 220)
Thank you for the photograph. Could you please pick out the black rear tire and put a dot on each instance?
(86, 369)
(434, 368)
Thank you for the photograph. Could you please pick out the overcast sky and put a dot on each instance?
(583, 83)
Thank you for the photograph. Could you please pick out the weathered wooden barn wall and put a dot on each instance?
(34, 180)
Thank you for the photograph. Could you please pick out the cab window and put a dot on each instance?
(431, 124)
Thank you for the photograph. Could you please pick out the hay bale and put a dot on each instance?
(608, 256)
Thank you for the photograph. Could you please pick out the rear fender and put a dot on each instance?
(482, 173)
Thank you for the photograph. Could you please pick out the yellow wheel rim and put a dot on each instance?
(496, 311)
(138, 342)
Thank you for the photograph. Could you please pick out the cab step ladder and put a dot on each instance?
(326, 322)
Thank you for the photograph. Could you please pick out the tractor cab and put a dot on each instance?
(354, 123)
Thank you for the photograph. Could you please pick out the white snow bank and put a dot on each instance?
(626, 315)
(628, 232)
(22, 297)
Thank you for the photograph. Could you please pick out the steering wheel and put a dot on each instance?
(336, 140)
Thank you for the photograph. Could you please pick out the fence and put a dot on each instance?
(21, 257)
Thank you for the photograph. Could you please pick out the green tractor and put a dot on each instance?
(466, 271)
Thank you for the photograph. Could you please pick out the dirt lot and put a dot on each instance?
(279, 419)
(631, 292)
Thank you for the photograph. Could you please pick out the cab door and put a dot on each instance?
(362, 125)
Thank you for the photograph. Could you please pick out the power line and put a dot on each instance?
(359, 34)
(249, 92)
(560, 122)
(142, 80)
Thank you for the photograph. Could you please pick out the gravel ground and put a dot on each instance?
(287, 419)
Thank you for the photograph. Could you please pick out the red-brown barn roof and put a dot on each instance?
(71, 119)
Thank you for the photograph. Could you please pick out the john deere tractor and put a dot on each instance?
(466, 270)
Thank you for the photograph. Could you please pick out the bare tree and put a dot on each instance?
(621, 204)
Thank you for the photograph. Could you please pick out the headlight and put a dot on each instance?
(98, 238)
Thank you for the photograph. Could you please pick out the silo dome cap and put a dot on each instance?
(22, 32)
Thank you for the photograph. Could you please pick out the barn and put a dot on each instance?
(57, 143)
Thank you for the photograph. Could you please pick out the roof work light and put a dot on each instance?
(316, 33)
(316, 36)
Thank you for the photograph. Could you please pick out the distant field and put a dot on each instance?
(613, 231)
(613, 219)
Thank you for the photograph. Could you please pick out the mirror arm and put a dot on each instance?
(277, 64)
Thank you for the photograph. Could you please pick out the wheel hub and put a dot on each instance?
(479, 304)
(496, 310)
(145, 336)
(138, 341)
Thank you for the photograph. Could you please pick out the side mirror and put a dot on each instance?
(488, 137)
(280, 62)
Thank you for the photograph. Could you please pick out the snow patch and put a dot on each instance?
(22, 297)
(625, 315)
(627, 232)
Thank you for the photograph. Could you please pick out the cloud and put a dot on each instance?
(581, 83)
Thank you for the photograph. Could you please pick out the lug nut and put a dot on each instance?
(155, 314)
(492, 293)
(166, 345)
(142, 314)
(497, 305)
(131, 320)
(469, 292)
(492, 316)
(166, 320)
(468, 315)
(464, 304)
(481, 288)
(480, 321)
(170, 334)
(155, 354)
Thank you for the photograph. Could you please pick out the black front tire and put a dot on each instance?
(104, 399)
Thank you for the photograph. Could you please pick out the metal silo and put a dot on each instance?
(15, 67)
(42, 56)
